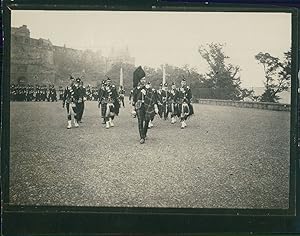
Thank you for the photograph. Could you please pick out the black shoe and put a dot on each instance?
(103, 122)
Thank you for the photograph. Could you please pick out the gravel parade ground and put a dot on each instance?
(227, 157)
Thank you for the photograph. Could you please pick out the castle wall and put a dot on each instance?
(31, 60)
(37, 61)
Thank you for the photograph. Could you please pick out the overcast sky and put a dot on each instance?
(154, 38)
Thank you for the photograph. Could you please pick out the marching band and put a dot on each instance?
(146, 101)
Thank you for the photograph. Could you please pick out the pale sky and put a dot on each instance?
(155, 38)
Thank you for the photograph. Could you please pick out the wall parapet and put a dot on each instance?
(247, 104)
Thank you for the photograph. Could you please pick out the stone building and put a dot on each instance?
(38, 61)
(31, 59)
(119, 55)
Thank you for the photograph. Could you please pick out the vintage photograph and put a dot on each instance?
(150, 109)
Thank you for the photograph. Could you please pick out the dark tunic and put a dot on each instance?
(109, 95)
(144, 106)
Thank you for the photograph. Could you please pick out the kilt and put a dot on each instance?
(72, 108)
(173, 108)
(185, 110)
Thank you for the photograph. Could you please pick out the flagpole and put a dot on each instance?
(121, 77)
(164, 75)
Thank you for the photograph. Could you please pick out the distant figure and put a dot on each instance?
(61, 92)
(165, 97)
(152, 90)
(185, 106)
(52, 94)
(173, 103)
(81, 99)
(70, 101)
(88, 93)
(159, 93)
(100, 101)
(130, 96)
(122, 95)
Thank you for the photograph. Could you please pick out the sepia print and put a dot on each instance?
(150, 109)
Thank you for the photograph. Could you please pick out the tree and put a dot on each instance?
(223, 77)
(114, 74)
(277, 74)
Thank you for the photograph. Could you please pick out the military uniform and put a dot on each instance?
(37, 93)
(61, 92)
(152, 90)
(82, 98)
(44, 93)
(165, 98)
(159, 101)
(70, 100)
(94, 94)
(88, 93)
(13, 92)
(173, 104)
(52, 94)
(185, 106)
(108, 98)
(144, 101)
(122, 95)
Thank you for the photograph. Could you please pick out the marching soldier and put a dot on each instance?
(70, 100)
(100, 101)
(130, 96)
(108, 98)
(94, 94)
(122, 95)
(61, 92)
(164, 99)
(27, 93)
(13, 92)
(82, 98)
(130, 102)
(30, 93)
(88, 93)
(23, 92)
(185, 106)
(152, 90)
(44, 93)
(159, 93)
(52, 94)
(37, 93)
(144, 102)
(173, 103)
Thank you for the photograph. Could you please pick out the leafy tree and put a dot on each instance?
(223, 78)
(277, 74)
(114, 74)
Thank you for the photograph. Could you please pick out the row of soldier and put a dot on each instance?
(109, 99)
(168, 99)
(33, 93)
(44, 93)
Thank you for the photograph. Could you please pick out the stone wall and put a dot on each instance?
(31, 60)
(243, 104)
